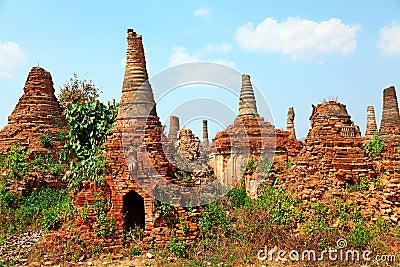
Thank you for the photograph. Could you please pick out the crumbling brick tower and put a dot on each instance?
(331, 156)
(37, 112)
(371, 122)
(136, 158)
(137, 132)
(249, 136)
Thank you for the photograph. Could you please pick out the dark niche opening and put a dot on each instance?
(134, 214)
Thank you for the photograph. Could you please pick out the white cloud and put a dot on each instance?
(389, 40)
(11, 56)
(202, 13)
(180, 55)
(299, 38)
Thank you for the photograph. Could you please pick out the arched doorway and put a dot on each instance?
(134, 214)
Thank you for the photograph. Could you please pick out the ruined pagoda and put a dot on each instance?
(136, 159)
(250, 136)
(37, 113)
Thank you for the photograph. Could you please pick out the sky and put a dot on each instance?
(298, 53)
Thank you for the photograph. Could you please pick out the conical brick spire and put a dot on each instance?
(37, 112)
(173, 128)
(38, 104)
(247, 102)
(371, 122)
(290, 124)
(205, 132)
(136, 90)
(390, 111)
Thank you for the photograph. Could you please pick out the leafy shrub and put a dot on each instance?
(135, 252)
(283, 208)
(76, 91)
(361, 235)
(135, 233)
(375, 146)
(176, 247)
(16, 163)
(320, 214)
(89, 125)
(237, 197)
(250, 166)
(47, 141)
(213, 219)
(104, 225)
(46, 208)
(362, 186)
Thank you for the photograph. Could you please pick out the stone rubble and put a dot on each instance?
(189, 145)
(15, 249)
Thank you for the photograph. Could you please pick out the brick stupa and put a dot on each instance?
(249, 136)
(37, 112)
(137, 162)
(371, 122)
(390, 122)
(332, 154)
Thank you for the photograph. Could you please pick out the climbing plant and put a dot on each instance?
(89, 125)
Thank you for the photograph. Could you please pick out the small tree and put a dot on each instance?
(89, 125)
(76, 91)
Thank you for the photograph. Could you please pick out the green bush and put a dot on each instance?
(47, 141)
(46, 208)
(361, 235)
(283, 209)
(16, 163)
(213, 219)
(135, 252)
(89, 125)
(251, 165)
(237, 197)
(375, 146)
(177, 247)
(362, 186)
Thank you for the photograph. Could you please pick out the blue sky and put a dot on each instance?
(296, 52)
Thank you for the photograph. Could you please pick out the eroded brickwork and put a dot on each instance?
(290, 124)
(137, 160)
(390, 122)
(37, 112)
(371, 122)
(173, 128)
(250, 136)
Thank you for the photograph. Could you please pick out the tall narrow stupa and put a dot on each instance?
(174, 128)
(371, 122)
(205, 132)
(137, 94)
(134, 151)
(247, 101)
(290, 124)
(390, 122)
